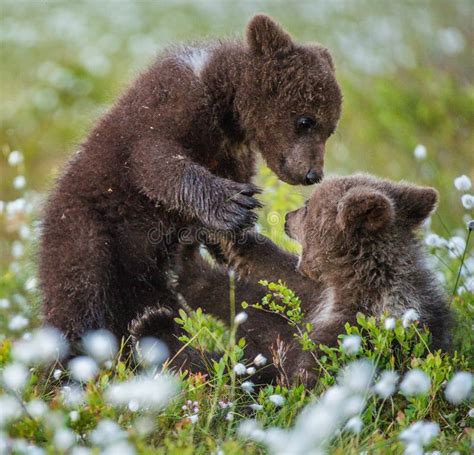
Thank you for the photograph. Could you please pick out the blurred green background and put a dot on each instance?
(406, 70)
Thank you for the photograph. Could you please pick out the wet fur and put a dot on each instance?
(177, 150)
(360, 253)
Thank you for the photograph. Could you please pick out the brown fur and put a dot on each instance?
(177, 150)
(360, 254)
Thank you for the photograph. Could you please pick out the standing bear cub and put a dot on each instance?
(178, 150)
(360, 253)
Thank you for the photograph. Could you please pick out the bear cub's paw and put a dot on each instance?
(229, 205)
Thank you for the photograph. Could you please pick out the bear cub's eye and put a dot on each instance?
(304, 124)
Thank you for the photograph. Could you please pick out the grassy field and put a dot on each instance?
(406, 71)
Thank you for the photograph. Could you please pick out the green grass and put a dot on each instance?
(406, 74)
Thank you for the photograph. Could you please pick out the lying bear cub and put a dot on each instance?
(360, 253)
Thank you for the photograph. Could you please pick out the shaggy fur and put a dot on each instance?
(177, 150)
(360, 253)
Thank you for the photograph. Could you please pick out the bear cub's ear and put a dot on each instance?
(364, 208)
(415, 203)
(265, 36)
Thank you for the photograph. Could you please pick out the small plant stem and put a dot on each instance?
(233, 336)
(462, 262)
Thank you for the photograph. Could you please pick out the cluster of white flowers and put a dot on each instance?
(152, 351)
(409, 317)
(277, 400)
(387, 384)
(15, 376)
(192, 410)
(462, 183)
(415, 382)
(143, 392)
(101, 345)
(44, 346)
(340, 406)
(459, 388)
(351, 344)
(83, 368)
(419, 435)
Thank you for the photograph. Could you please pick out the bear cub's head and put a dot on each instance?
(289, 101)
(349, 221)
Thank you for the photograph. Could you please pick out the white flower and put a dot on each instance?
(386, 385)
(251, 370)
(260, 360)
(352, 406)
(72, 396)
(390, 323)
(462, 183)
(193, 418)
(19, 182)
(277, 400)
(409, 317)
(239, 369)
(18, 249)
(255, 407)
(80, 450)
(471, 413)
(469, 284)
(44, 346)
(15, 158)
(351, 344)
(459, 388)
(15, 376)
(415, 382)
(354, 425)
(83, 368)
(4, 304)
(229, 416)
(10, 409)
(74, 416)
(451, 40)
(247, 386)
(16, 207)
(241, 318)
(121, 447)
(148, 393)
(107, 432)
(31, 284)
(420, 433)
(467, 201)
(152, 351)
(456, 246)
(420, 152)
(100, 345)
(18, 323)
(36, 408)
(435, 241)
(358, 375)
(251, 429)
(57, 374)
(64, 439)
(413, 449)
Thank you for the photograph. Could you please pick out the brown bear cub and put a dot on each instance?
(178, 150)
(360, 253)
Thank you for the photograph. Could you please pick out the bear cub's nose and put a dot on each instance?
(312, 177)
